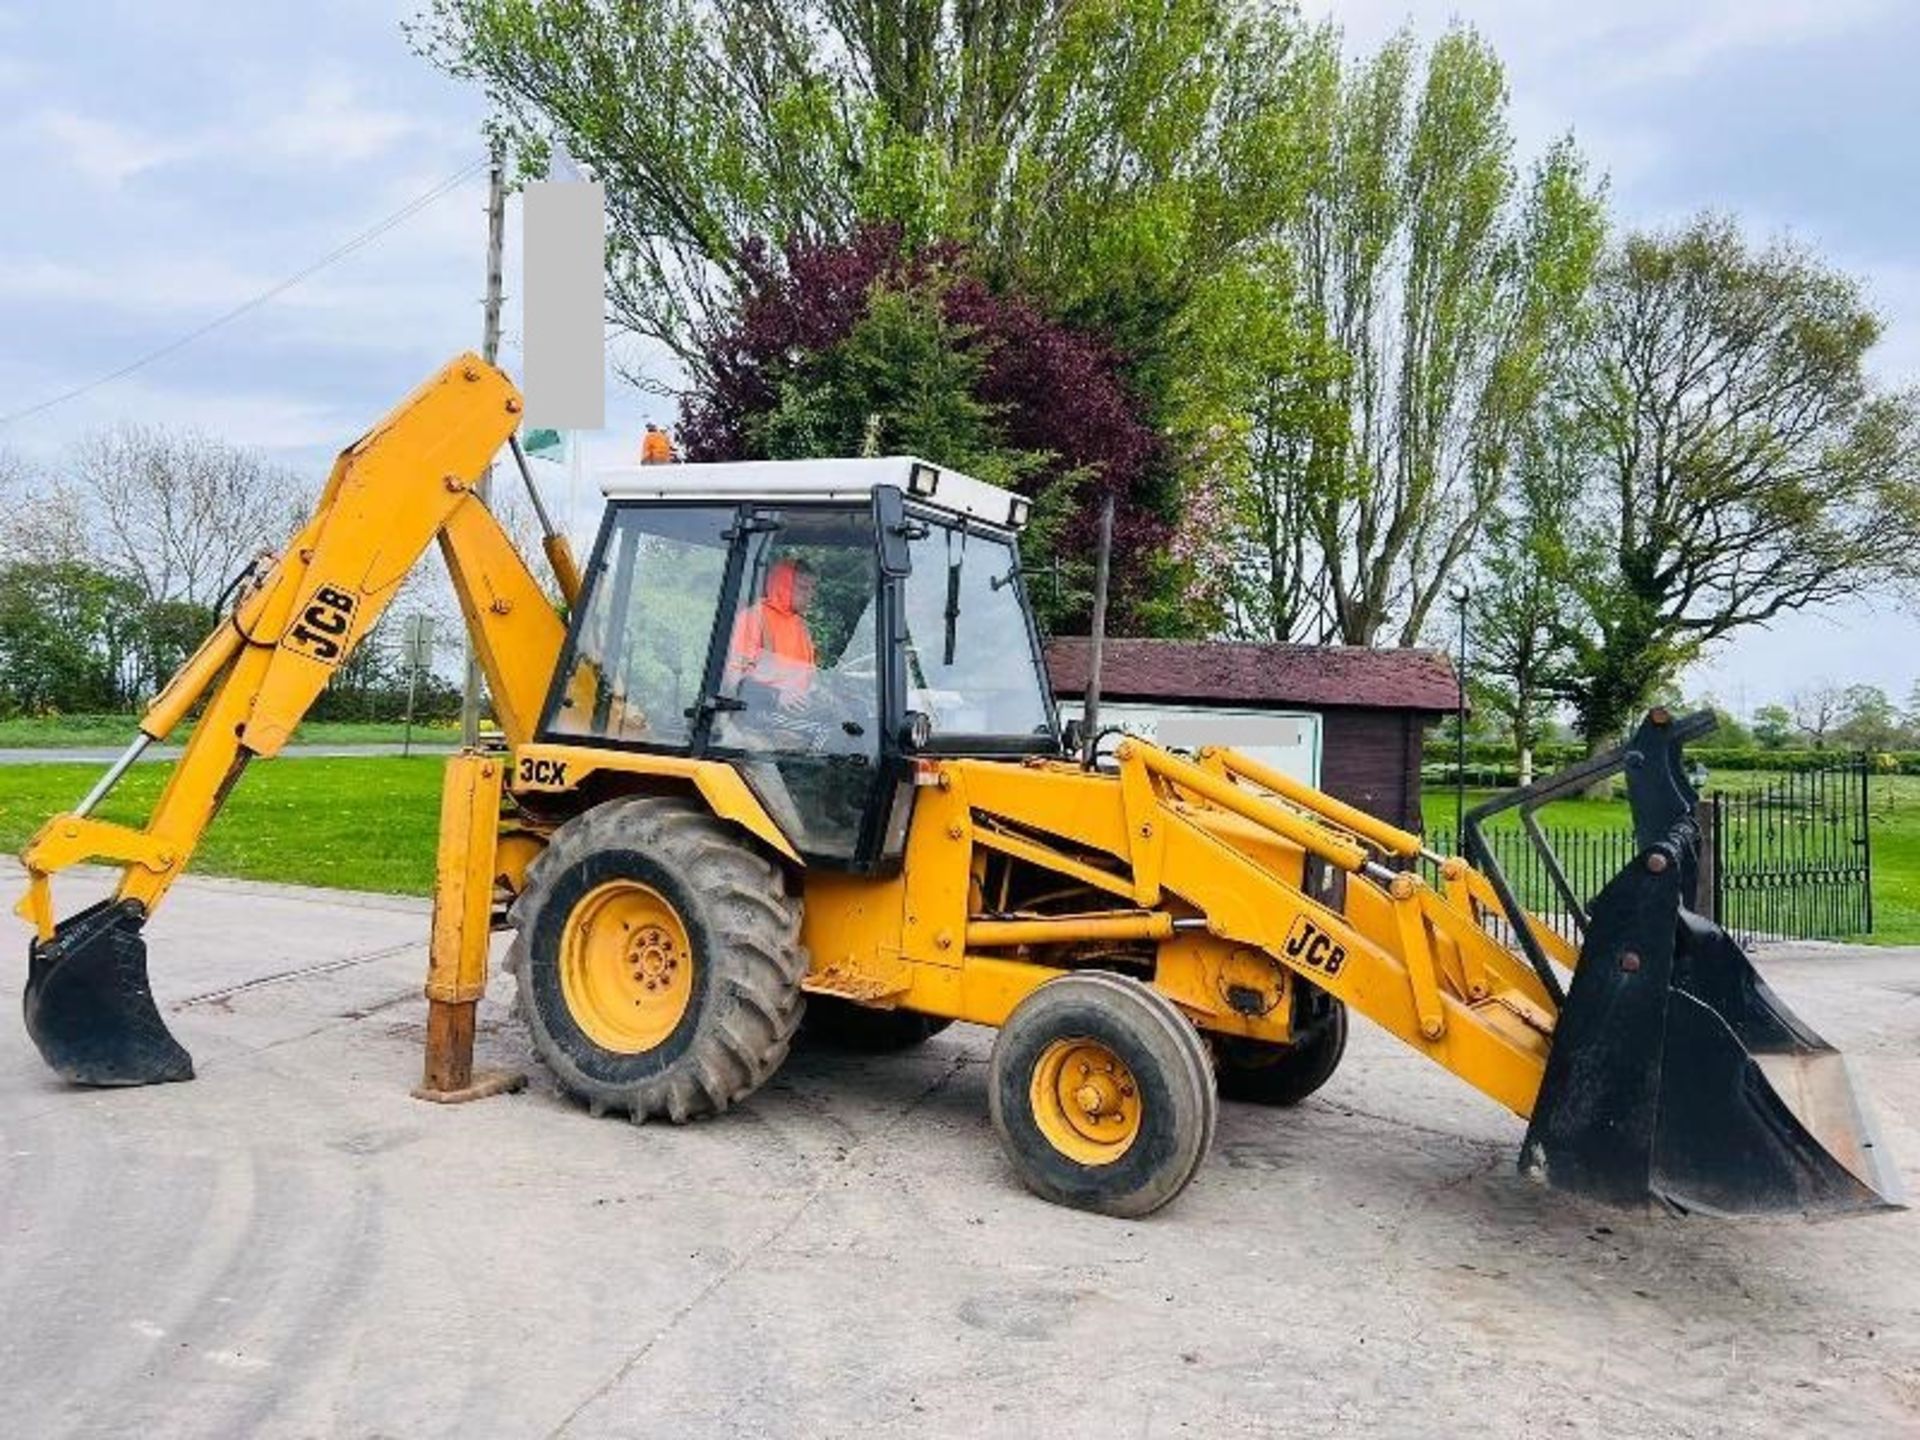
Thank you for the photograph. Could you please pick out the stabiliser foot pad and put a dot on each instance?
(88, 1006)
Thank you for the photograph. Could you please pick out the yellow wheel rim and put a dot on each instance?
(1085, 1101)
(626, 967)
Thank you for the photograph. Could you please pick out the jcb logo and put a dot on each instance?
(1310, 945)
(550, 774)
(321, 631)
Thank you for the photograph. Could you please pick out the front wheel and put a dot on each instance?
(1260, 1072)
(1102, 1094)
(658, 959)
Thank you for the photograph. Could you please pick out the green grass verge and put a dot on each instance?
(59, 732)
(1893, 804)
(359, 824)
(369, 824)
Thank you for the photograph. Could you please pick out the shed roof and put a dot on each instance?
(1237, 673)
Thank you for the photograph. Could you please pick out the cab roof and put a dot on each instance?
(934, 486)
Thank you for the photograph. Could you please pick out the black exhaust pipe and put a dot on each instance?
(89, 1008)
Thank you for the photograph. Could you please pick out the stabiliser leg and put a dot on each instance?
(462, 923)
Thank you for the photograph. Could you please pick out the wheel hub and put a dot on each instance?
(626, 966)
(1085, 1101)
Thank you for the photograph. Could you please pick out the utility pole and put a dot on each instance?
(490, 352)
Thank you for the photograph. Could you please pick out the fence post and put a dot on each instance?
(1706, 902)
(1866, 843)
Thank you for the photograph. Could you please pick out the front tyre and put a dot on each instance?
(659, 960)
(1102, 1094)
(1259, 1072)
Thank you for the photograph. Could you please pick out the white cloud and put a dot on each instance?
(332, 123)
(105, 151)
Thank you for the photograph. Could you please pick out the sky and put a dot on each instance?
(169, 162)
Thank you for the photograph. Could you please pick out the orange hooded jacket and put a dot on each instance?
(771, 643)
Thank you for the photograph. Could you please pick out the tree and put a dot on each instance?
(1733, 451)
(1773, 726)
(1816, 710)
(1728, 731)
(66, 633)
(1102, 150)
(1417, 290)
(39, 521)
(1867, 719)
(177, 512)
(1520, 608)
(841, 348)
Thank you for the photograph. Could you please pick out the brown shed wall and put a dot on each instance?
(1371, 758)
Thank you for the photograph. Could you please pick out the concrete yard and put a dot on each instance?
(291, 1246)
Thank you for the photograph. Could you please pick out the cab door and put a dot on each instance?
(795, 697)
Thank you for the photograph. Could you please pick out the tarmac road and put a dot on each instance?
(291, 1246)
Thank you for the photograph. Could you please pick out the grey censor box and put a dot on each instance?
(564, 312)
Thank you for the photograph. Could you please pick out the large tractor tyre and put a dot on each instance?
(1102, 1094)
(843, 1025)
(658, 959)
(1260, 1072)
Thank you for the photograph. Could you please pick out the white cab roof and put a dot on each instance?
(920, 480)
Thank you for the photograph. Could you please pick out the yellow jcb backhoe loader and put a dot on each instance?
(794, 747)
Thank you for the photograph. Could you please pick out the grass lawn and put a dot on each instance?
(55, 732)
(368, 824)
(360, 824)
(1893, 803)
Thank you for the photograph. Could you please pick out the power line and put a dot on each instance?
(360, 241)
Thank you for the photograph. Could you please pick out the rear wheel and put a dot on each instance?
(1102, 1094)
(658, 959)
(1260, 1072)
(847, 1026)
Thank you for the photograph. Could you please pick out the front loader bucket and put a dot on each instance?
(1677, 1075)
(88, 1006)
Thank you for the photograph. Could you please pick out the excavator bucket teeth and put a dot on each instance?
(88, 1006)
(1677, 1075)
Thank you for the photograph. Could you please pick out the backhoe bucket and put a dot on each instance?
(1677, 1075)
(88, 1006)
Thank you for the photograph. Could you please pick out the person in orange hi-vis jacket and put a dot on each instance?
(655, 447)
(772, 647)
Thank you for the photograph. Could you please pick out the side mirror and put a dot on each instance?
(895, 530)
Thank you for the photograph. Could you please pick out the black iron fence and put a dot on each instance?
(1793, 857)
(1789, 858)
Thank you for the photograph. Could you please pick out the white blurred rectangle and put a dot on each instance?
(1288, 740)
(563, 315)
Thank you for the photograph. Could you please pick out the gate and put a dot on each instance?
(1793, 858)
(1787, 859)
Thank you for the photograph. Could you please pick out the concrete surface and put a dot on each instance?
(290, 1246)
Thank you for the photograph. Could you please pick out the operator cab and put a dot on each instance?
(814, 623)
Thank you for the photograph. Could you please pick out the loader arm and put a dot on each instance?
(407, 482)
(1663, 1069)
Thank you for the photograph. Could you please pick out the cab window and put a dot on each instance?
(971, 663)
(639, 655)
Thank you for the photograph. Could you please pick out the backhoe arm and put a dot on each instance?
(403, 484)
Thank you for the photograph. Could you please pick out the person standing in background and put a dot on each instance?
(655, 446)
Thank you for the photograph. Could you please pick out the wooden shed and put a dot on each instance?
(1347, 719)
